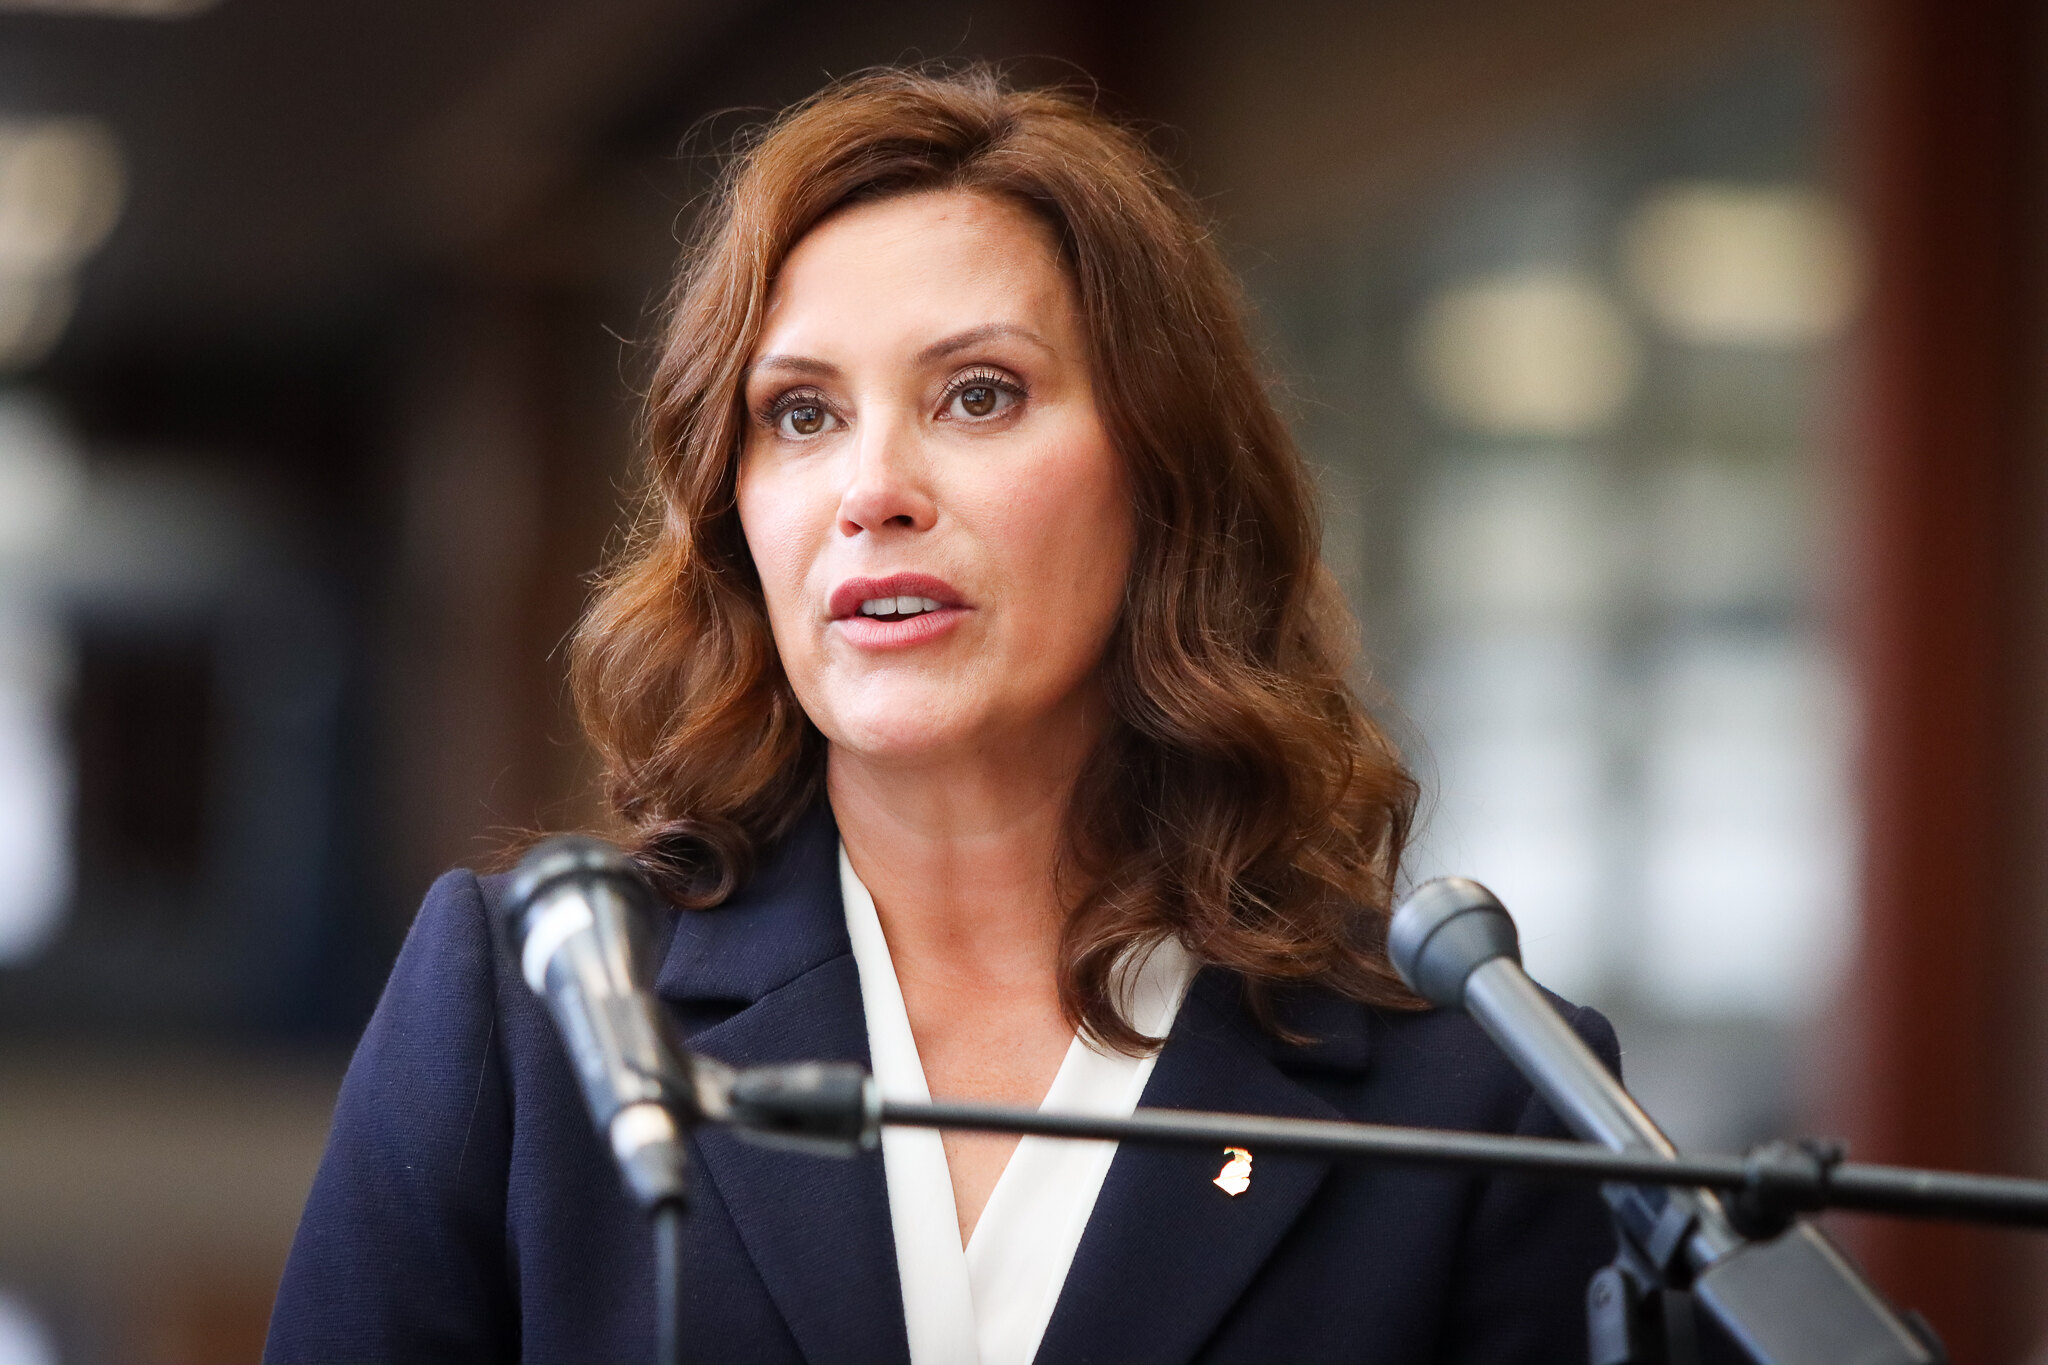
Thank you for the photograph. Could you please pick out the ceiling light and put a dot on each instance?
(61, 185)
(1532, 354)
(42, 485)
(1742, 265)
(32, 316)
(60, 192)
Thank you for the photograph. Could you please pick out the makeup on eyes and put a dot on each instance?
(999, 382)
(772, 413)
(1007, 389)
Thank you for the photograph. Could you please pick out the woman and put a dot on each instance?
(974, 690)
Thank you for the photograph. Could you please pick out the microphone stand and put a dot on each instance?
(577, 922)
(1771, 1183)
(1638, 1315)
(668, 1282)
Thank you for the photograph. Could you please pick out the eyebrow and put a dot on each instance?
(794, 364)
(975, 336)
(938, 350)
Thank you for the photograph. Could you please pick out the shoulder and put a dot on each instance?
(450, 975)
(1452, 1042)
(452, 945)
(458, 911)
(1431, 1068)
(398, 1252)
(456, 1034)
(446, 978)
(426, 1107)
(453, 918)
(433, 1031)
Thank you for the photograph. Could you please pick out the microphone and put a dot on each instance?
(1454, 944)
(1791, 1300)
(579, 920)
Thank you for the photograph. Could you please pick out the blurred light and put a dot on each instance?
(35, 801)
(24, 1340)
(42, 487)
(1518, 745)
(42, 483)
(1514, 539)
(111, 9)
(1748, 855)
(1742, 265)
(1727, 535)
(60, 194)
(32, 316)
(1539, 354)
(1511, 558)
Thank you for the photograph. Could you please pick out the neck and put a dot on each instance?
(959, 852)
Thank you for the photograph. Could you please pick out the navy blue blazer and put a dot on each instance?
(466, 1209)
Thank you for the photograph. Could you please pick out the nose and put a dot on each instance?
(887, 487)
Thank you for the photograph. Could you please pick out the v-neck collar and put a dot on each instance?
(938, 1301)
(778, 956)
(990, 1301)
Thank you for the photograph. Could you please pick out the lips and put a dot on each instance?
(846, 599)
(902, 611)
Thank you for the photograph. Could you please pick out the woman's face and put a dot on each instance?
(940, 524)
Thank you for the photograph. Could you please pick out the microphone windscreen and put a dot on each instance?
(554, 859)
(1443, 932)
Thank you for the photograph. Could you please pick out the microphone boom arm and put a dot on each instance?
(832, 1107)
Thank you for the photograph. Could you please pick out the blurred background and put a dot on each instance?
(1672, 372)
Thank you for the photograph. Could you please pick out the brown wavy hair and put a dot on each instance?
(1242, 798)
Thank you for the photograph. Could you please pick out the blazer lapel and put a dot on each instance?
(817, 1228)
(1167, 1252)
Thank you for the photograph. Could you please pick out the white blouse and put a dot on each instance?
(989, 1303)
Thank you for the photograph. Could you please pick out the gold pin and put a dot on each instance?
(1236, 1176)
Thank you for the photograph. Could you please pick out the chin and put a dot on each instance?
(894, 747)
(897, 728)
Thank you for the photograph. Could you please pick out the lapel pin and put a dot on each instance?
(1236, 1176)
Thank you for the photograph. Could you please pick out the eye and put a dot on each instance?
(805, 419)
(979, 396)
(797, 416)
